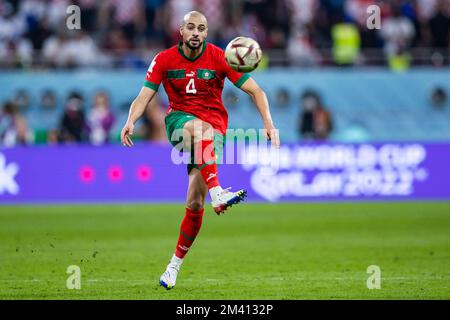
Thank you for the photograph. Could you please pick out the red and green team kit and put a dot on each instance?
(193, 86)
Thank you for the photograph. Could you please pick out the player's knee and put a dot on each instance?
(206, 126)
(195, 205)
(200, 130)
(207, 132)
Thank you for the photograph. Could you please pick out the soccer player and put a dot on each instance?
(193, 74)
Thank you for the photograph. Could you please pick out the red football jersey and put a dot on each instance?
(195, 85)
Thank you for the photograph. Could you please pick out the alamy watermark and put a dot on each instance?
(73, 21)
(374, 17)
(74, 280)
(374, 280)
(238, 146)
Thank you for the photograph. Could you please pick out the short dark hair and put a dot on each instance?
(10, 107)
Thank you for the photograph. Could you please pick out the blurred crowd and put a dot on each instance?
(81, 121)
(315, 121)
(116, 33)
(87, 119)
(95, 121)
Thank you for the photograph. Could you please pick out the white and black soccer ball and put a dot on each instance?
(243, 54)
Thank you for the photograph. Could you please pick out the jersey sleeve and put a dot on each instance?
(154, 73)
(235, 77)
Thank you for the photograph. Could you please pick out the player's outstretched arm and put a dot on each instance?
(260, 99)
(136, 110)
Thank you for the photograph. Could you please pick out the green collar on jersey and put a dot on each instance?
(180, 49)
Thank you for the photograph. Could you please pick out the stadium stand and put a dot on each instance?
(366, 105)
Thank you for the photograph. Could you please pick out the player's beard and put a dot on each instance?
(193, 48)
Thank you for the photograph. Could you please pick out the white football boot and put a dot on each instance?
(169, 277)
(222, 199)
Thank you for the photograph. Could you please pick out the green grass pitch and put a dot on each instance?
(255, 251)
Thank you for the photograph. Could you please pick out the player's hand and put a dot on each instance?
(272, 134)
(125, 135)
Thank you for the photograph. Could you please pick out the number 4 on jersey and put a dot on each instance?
(190, 87)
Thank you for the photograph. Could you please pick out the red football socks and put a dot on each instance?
(206, 161)
(190, 226)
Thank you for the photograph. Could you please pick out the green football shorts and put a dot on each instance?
(175, 122)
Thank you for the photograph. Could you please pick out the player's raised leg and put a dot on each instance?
(202, 146)
(190, 226)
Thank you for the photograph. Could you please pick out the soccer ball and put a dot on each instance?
(243, 54)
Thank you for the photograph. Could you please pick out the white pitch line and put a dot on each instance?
(234, 280)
